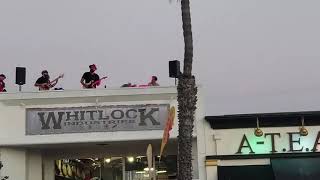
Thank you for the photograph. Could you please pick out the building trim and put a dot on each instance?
(262, 156)
(211, 162)
(285, 119)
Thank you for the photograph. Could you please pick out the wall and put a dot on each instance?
(48, 168)
(14, 163)
(34, 165)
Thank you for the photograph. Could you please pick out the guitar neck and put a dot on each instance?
(56, 79)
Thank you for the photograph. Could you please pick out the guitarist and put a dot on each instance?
(90, 79)
(44, 83)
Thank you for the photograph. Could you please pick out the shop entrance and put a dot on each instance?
(115, 168)
(112, 161)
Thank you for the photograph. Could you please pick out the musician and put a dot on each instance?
(44, 81)
(153, 82)
(90, 79)
(2, 84)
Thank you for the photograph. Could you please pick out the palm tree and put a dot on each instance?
(187, 99)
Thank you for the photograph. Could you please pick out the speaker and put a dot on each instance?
(20, 75)
(174, 68)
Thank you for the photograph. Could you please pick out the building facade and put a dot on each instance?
(273, 146)
(79, 134)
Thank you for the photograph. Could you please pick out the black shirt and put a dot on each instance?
(42, 80)
(88, 77)
(2, 87)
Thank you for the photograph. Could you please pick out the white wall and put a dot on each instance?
(14, 163)
(21, 164)
(34, 165)
(48, 168)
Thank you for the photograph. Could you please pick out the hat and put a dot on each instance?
(2, 75)
(93, 65)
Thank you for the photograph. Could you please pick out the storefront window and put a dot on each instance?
(115, 168)
(259, 172)
(296, 168)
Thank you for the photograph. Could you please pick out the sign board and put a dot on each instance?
(96, 119)
(274, 140)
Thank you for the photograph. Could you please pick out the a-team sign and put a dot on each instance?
(289, 142)
(96, 119)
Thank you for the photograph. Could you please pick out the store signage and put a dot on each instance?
(96, 119)
(289, 142)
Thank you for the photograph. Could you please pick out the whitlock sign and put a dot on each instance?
(96, 119)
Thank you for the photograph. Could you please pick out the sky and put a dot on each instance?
(249, 56)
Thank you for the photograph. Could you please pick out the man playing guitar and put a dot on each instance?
(44, 82)
(90, 79)
(2, 84)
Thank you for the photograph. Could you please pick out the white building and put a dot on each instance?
(54, 135)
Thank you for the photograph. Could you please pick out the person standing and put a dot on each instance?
(90, 79)
(43, 83)
(2, 84)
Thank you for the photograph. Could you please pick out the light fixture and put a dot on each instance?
(257, 131)
(146, 169)
(161, 172)
(302, 130)
(140, 172)
(130, 159)
(107, 160)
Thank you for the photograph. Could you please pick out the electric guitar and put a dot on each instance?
(49, 85)
(93, 84)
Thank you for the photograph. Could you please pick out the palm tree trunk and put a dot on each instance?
(186, 105)
(187, 98)
(187, 35)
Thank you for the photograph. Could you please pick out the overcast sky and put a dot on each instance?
(250, 56)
